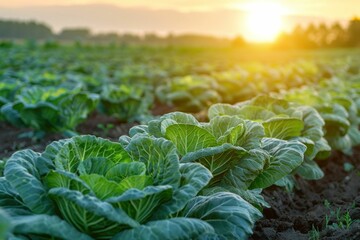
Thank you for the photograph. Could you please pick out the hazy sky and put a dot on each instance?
(324, 8)
(217, 17)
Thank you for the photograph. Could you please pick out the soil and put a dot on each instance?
(325, 209)
(315, 210)
(97, 124)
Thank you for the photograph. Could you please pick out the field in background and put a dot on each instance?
(263, 123)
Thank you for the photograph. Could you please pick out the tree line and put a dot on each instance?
(38, 31)
(311, 36)
(322, 36)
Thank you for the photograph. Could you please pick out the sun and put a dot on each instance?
(263, 21)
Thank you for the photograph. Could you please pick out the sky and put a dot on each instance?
(216, 17)
(327, 8)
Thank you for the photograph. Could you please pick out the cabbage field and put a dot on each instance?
(122, 142)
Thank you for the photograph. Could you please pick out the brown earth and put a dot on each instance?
(96, 124)
(328, 208)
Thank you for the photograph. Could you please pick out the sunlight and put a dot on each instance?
(263, 21)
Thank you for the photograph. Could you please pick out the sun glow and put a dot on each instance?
(263, 21)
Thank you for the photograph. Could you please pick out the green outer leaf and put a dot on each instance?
(310, 170)
(123, 170)
(341, 143)
(354, 134)
(11, 115)
(5, 224)
(23, 176)
(160, 158)
(136, 194)
(194, 177)
(169, 229)
(80, 148)
(10, 199)
(75, 108)
(140, 129)
(246, 169)
(217, 159)
(156, 127)
(253, 135)
(253, 196)
(288, 182)
(92, 205)
(220, 125)
(335, 125)
(42, 116)
(313, 123)
(221, 109)
(51, 226)
(125, 140)
(273, 104)
(45, 162)
(125, 102)
(283, 128)
(59, 178)
(189, 138)
(322, 150)
(95, 165)
(285, 157)
(101, 187)
(13, 237)
(255, 113)
(140, 204)
(310, 146)
(232, 129)
(230, 215)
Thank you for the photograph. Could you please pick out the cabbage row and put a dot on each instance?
(55, 89)
(91, 188)
(62, 109)
(174, 178)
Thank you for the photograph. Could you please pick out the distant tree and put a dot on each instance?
(200, 40)
(238, 41)
(337, 36)
(152, 38)
(105, 38)
(129, 38)
(322, 35)
(24, 30)
(82, 37)
(300, 38)
(354, 32)
(311, 36)
(283, 41)
(75, 34)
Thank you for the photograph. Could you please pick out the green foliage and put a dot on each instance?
(337, 103)
(337, 218)
(314, 233)
(190, 93)
(49, 109)
(4, 224)
(218, 210)
(236, 151)
(126, 102)
(176, 177)
(87, 187)
(283, 120)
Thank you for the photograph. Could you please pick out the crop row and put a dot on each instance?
(49, 91)
(176, 177)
